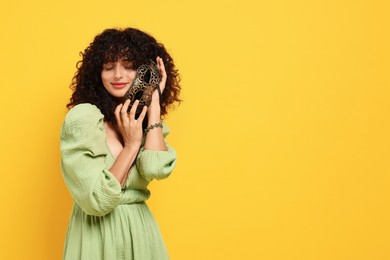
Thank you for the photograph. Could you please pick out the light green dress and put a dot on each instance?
(108, 222)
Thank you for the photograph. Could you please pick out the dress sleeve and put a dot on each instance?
(153, 164)
(83, 155)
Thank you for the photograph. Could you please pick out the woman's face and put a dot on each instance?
(117, 76)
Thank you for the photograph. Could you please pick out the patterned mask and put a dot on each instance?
(147, 79)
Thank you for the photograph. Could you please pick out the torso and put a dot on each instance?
(114, 140)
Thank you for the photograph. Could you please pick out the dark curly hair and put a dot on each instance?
(111, 45)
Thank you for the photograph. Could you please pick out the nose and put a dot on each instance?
(118, 72)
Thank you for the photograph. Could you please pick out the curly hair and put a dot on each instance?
(112, 45)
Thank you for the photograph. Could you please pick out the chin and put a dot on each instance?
(117, 94)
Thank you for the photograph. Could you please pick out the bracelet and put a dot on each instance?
(153, 126)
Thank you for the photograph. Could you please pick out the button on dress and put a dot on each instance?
(107, 221)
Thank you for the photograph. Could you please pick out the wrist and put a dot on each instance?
(154, 109)
(131, 148)
(153, 126)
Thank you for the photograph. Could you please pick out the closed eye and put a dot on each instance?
(128, 65)
(108, 66)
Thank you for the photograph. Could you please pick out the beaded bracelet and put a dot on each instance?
(153, 126)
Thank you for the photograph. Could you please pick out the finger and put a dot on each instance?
(134, 109)
(117, 115)
(124, 114)
(142, 115)
(163, 73)
(126, 105)
(161, 67)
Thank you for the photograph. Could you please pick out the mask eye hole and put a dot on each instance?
(147, 76)
(138, 95)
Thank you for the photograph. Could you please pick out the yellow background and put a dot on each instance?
(282, 139)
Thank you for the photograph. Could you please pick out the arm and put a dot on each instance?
(131, 131)
(83, 161)
(122, 164)
(157, 164)
(154, 139)
(156, 159)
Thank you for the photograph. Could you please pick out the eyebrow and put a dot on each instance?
(119, 60)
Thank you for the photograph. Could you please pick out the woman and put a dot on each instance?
(108, 159)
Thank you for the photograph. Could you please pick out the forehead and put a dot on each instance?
(122, 60)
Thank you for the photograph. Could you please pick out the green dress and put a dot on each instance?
(107, 221)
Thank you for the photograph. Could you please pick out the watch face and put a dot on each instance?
(146, 80)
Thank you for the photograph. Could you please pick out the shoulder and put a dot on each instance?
(82, 110)
(84, 115)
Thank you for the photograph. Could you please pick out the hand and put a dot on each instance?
(129, 127)
(163, 73)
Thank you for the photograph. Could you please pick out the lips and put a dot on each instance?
(119, 85)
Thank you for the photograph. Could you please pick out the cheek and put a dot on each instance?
(131, 74)
(106, 77)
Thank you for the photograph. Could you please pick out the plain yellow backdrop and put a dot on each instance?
(282, 139)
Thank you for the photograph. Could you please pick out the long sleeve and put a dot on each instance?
(154, 164)
(83, 156)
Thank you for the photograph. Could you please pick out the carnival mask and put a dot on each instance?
(147, 79)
